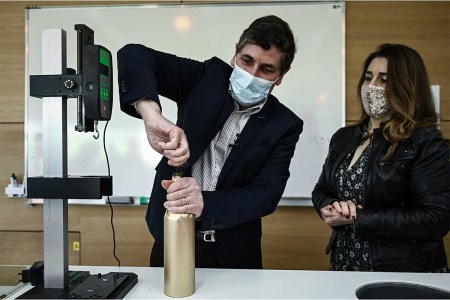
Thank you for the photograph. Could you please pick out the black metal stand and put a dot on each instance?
(56, 187)
(83, 285)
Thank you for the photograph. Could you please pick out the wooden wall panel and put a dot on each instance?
(445, 128)
(27, 247)
(294, 238)
(12, 58)
(133, 240)
(16, 214)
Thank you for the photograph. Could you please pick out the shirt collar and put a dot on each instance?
(250, 110)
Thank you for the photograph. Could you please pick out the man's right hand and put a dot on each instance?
(163, 136)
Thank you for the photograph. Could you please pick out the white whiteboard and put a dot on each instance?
(313, 88)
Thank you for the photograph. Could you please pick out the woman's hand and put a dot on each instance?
(339, 213)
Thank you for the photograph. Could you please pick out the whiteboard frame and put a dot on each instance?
(286, 200)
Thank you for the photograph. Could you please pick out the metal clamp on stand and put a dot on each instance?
(68, 85)
(71, 187)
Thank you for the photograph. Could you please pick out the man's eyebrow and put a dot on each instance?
(269, 66)
(247, 56)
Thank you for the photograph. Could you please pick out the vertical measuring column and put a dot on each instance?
(54, 140)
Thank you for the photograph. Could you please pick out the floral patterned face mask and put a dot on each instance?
(374, 101)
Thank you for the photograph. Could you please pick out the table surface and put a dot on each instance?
(264, 284)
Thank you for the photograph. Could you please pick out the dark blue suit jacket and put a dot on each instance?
(255, 173)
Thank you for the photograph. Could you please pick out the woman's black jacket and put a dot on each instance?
(407, 198)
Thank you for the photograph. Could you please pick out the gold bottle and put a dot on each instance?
(179, 253)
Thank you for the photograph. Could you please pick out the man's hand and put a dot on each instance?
(162, 135)
(183, 196)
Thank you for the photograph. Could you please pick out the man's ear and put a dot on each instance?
(234, 56)
(232, 60)
(280, 79)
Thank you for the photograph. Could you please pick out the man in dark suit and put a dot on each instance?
(233, 138)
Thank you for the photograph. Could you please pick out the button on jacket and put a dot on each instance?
(407, 206)
(254, 175)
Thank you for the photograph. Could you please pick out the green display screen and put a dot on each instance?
(104, 62)
(104, 58)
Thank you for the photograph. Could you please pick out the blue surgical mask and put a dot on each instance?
(247, 89)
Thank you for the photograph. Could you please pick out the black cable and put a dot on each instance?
(107, 197)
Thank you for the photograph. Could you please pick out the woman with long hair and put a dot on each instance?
(385, 184)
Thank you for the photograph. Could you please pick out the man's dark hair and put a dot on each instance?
(267, 31)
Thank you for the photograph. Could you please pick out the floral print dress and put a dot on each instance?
(350, 253)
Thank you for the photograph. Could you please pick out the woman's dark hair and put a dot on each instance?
(267, 31)
(408, 93)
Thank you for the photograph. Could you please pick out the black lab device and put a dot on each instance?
(97, 81)
(91, 84)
